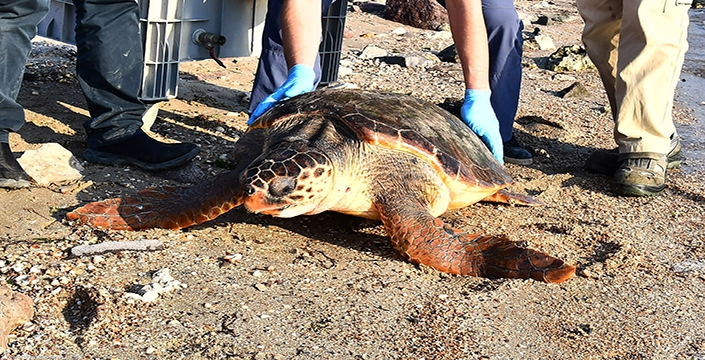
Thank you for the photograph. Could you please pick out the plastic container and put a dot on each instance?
(170, 29)
(332, 44)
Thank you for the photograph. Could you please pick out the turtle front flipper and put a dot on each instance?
(164, 207)
(176, 208)
(423, 239)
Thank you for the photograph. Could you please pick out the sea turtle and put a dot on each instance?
(369, 154)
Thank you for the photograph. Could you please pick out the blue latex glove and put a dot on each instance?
(477, 112)
(300, 80)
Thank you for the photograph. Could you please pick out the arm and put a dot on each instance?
(301, 31)
(470, 35)
(301, 36)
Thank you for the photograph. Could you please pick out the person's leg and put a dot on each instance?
(648, 69)
(505, 46)
(109, 66)
(603, 19)
(18, 25)
(601, 38)
(272, 69)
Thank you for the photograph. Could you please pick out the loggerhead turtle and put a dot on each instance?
(369, 154)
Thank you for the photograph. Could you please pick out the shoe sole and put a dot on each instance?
(104, 158)
(13, 184)
(610, 167)
(509, 160)
(635, 190)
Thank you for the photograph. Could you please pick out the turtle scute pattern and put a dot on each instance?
(437, 160)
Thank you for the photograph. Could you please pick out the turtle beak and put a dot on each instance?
(259, 202)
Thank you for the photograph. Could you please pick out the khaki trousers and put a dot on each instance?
(638, 47)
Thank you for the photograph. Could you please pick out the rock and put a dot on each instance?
(449, 54)
(575, 90)
(422, 14)
(543, 20)
(408, 60)
(399, 31)
(544, 42)
(15, 310)
(162, 281)
(569, 58)
(51, 164)
(372, 51)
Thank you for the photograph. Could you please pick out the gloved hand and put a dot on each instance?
(477, 112)
(300, 80)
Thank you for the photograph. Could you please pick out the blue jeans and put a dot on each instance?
(18, 25)
(109, 66)
(505, 45)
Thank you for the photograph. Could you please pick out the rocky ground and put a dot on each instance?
(332, 286)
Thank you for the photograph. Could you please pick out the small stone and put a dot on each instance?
(399, 31)
(543, 20)
(207, 305)
(150, 296)
(256, 273)
(232, 258)
(150, 350)
(575, 90)
(261, 287)
(371, 52)
(544, 42)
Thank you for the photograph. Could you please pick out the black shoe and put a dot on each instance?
(516, 154)
(144, 152)
(12, 176)
(607, 161)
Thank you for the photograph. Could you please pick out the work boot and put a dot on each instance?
(607, 161)
(12, 176)
(144, 152)
(640, 174)
(514, 153)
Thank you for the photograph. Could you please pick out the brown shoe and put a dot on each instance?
(607, 161)
(640, 174)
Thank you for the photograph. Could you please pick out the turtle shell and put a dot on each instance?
(405, 123)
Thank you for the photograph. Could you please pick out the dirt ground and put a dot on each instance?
(331, 286)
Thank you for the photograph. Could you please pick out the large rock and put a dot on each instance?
(15, 310)
(51, 164)
(569, 58)
(422, 14)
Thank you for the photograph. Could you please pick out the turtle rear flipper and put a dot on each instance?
(423, 239)
(164, 207)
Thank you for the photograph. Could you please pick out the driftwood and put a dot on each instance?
(113, 246)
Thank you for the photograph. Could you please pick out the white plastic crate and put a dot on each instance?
(169, 29)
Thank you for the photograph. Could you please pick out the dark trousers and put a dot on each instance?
(109, 66)
(18, 25)
(505, 44)
(272, 69)
(506, 48)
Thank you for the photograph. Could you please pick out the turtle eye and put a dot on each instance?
(250, 190)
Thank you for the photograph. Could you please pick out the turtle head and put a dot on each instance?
(288, 181)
